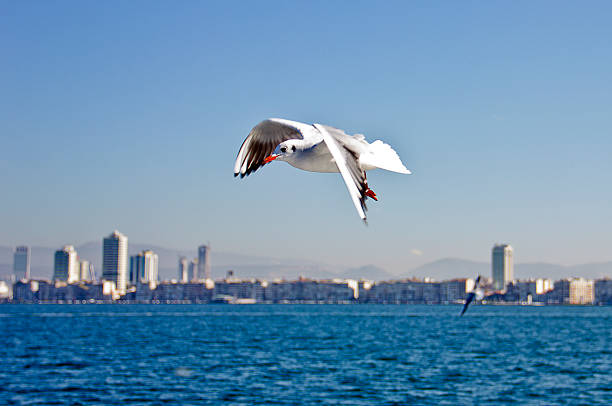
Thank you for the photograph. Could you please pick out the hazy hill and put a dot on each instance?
(371, 272)
(453, 267)
(449, 268)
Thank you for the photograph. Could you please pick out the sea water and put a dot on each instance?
(304, 354)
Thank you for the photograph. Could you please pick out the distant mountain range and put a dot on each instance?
(448, 268)
(250, 266)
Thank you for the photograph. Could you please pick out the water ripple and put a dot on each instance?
(304, 354)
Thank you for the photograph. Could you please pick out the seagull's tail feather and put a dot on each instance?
(381, 155)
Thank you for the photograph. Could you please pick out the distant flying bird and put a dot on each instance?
(318, 148)
(476, 293)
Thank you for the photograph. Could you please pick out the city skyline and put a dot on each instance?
(274, 268)
(73, 282)
(504, 122)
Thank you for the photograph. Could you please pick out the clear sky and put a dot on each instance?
(128, 115)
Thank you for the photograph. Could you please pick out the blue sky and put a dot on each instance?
(129, 115)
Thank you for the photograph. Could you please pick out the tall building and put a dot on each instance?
(84, 271)
(183, 270)
(144, 268)
(203, 262)
(21, 263)
(193, 270)
(115, 260)
(92, 273)
(66, 265)
(502, 266)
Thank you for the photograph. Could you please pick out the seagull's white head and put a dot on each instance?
(284, 151)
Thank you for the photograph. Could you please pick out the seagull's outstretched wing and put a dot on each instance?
(347, 162)
(469, 299)
(260, 143)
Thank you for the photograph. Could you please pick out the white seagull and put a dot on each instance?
(318, 148)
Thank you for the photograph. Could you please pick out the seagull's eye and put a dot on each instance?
(293, 148)
(283, 149)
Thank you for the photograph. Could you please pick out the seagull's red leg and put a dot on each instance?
(369, 192)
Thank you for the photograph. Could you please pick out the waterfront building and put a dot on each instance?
(603, 291)
(115, 261)
(26, 291)
(502, 266)
(404, 292)
(363, 290)
(534, 290)
(521, 291)
(454, 291)
(581, 291)
(573, 291)
(306, 290)
(40, 291)
(144, 268)
(21, 263)
(279, 291)
(183, 270)
(173, 292)
(543, 286)
(66, 265)
(6, 291)
(203, 262)
(240, 289)
(560, 292)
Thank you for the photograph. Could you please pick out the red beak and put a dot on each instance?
(270, 158)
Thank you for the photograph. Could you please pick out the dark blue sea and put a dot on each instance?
(304, 355)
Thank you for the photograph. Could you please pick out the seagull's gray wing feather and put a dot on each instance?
(260, 143)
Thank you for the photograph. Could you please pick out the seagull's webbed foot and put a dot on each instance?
(370, 193)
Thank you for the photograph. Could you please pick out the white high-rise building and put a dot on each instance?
(66, 266)
(144, 268)
(84, 271)
(203, 262)
(21, 263)
(502, 266)
(115, 260)
(183, 270)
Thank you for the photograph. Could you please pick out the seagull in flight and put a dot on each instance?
(318, 148)
(476, 293)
